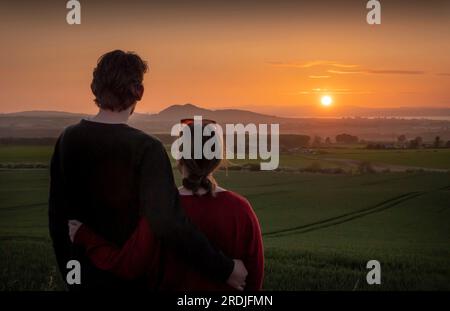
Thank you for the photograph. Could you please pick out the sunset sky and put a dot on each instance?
(276, 57)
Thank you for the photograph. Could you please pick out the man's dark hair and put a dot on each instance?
(114, 78)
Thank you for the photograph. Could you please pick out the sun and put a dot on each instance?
(326, 100)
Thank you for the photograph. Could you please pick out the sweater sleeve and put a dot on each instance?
(139, 253)
(159, 201)
(57, 212)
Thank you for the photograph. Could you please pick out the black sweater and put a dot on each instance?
(106, 176)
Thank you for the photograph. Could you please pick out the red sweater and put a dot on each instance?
(227, 220)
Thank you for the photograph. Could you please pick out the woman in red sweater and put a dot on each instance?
(226, 218)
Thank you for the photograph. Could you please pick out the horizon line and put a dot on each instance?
(324, 115)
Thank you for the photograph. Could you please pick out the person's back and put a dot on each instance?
(101, 167)
(228, 221)
(109, 175)
(226, 218)
(95, 163)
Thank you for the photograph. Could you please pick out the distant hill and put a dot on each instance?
(178, 112)
(51, 123)
(181, 111)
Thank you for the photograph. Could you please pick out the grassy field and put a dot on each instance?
(28, 154)
(324, 157)
(425, 158)
(319, 230)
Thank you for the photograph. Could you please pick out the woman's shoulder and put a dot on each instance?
(241, 208)
(231, 195)
(235, 200)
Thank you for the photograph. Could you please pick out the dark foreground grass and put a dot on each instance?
(29, 265)
(304, 270)
(319, 230)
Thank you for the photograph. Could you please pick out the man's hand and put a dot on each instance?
(238, 276)
(74, 225)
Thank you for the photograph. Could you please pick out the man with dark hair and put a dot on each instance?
(107, 174)
(117, 80)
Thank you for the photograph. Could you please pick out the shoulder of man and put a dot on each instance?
(145, 137)
(68, 130)
(147, 140)
(140, 135)
(149, 145)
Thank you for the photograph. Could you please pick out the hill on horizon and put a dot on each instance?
(170, 113)
(188, 109)
(51, 123)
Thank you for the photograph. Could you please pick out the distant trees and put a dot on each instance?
(376, 146)
(401, 139)
(416, 142)
(419, 140)
(412, 144)
(317, 141)
(437, 142)
(291, 141)
(328, 141)
(346, 139)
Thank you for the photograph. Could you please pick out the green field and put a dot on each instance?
(424, 158)
(325, 157)
(319, 229)
(27, 154)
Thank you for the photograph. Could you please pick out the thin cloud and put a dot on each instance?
(398, 72)
(310, 64)
(318, 77)
(373, 71)
(443, 74)
(344, 72)
(343, 65)
(343, 68)
(332, 91)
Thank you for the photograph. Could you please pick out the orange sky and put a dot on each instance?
(272, 57)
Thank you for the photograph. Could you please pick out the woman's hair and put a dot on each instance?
(200, 170)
